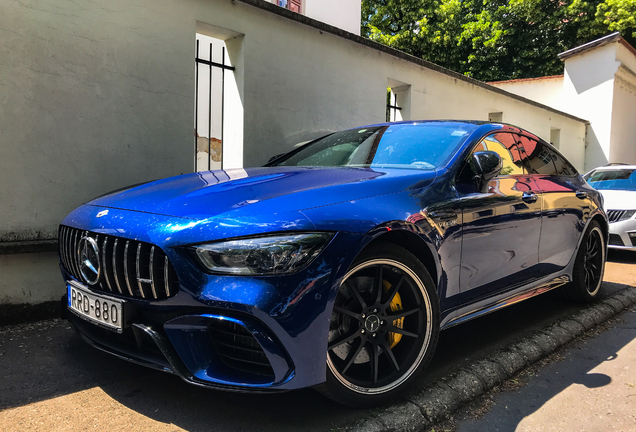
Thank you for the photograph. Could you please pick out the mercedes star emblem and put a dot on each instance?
(88, 251)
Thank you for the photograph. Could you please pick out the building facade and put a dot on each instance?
(102, 94)
(599, 85)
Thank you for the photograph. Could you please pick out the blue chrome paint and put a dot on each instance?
(481, 259)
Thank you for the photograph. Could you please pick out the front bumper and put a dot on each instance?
(232, 332)
(623, 235)
(149, 346)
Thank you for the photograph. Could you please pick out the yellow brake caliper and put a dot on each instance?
(396, 305)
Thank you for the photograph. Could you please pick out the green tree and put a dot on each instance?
(494, 40)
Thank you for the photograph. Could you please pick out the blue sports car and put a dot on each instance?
(337, 264)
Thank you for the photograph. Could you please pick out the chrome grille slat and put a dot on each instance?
(126, 274)
(151, 271)
(62, 247)
(619, 215)
(75, 254)
(154, 274)
(67, 245)
(69, 248)
(101, 279)
(138, 271)
(115, 272)
(166, 279)
(105, 263)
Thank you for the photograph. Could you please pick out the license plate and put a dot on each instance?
(101, 310)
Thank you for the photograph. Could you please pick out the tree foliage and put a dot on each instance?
(495, 40)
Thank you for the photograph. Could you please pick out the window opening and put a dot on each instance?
(392, 110)
(555, 137)
(209, 109)
(496, 117)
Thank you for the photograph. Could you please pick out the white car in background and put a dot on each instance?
(617, 184)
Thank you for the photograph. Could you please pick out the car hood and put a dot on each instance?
(225, 193)
(619, 199)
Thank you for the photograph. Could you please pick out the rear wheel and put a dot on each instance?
(383, 329)
(589, 266)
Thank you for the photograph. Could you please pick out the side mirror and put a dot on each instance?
(486, 165)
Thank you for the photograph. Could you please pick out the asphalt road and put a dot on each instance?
(52, 381)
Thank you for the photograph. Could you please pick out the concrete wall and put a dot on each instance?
(547, 91)
(623, 135)
(599, 85)
(99, 94)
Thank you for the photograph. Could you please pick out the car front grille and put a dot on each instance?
(126, 267)
(239, 349)
(616, 240)
(619, 215)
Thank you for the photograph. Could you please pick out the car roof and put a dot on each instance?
(613, 167)
(406, 122)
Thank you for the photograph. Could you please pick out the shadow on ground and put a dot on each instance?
(46, 360)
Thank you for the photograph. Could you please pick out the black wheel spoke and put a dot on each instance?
(402, 313)
(375, 362)
(392, 291)
(386, 348)
(356, 294)
(352, 355)
(344, 311)
(379, 282)
(342, 340)
(403, 332)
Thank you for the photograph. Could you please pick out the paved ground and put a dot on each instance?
(587, 388)
(51, 380)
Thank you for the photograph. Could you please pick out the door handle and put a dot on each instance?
(581, 194)
(529, 197)
(443, 215)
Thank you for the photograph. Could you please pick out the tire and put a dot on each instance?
(383, 329)
(589, 266)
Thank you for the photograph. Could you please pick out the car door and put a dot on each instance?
(501, 226)
(566, 205)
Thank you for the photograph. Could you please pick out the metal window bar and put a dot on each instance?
(392, 109)
(211, 64)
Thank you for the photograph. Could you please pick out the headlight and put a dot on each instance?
(285, 253)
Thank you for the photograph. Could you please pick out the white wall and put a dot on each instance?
(100, 94)
(547, 91)
(623, 135)
(599, 85)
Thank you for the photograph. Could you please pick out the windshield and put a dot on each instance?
(416, 145)
(618, 179)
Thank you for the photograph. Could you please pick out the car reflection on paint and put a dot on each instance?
(617, 185)
(337, 264)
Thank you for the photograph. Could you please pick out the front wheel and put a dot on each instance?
(383, 329)
(588, 267)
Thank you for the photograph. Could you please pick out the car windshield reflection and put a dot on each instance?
(424, 146)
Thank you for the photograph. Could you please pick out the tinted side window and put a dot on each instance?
(505, 145)
(539, 156)
(563, 167)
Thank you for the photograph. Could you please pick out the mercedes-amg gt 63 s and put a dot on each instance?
(335, 265)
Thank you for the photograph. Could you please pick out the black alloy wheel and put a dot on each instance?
(593, 261)
(589, 266)
(383, 329)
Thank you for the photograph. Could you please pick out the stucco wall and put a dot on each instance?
(547, 91)
(623, 135)
(97, 95)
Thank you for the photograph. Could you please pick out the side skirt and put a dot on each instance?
(510, 300)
